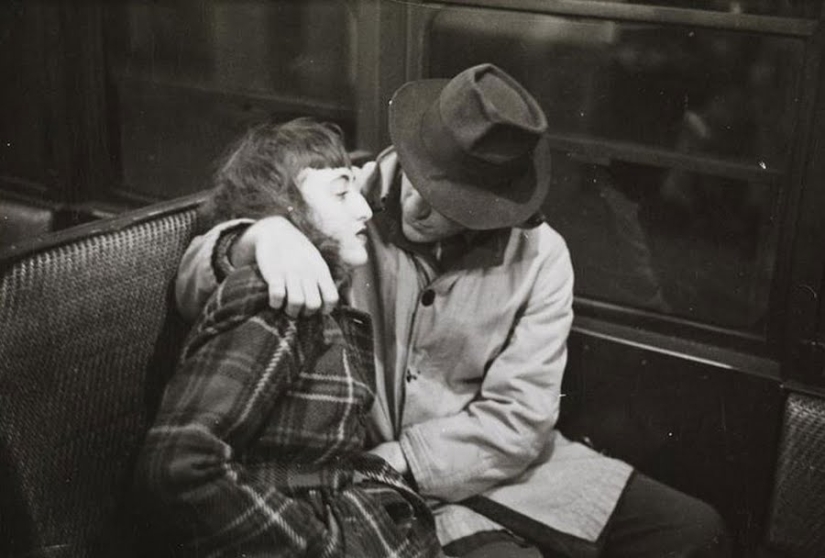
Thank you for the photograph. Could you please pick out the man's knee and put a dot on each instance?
(492, 544)
(704, 531)
(656, 520)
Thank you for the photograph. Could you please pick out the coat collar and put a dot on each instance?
(473, 249)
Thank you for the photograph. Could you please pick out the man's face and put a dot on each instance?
(420, 222)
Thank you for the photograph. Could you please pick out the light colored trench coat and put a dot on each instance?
(471, 356)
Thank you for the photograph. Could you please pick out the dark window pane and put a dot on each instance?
(23, 117)
(678, 243)
(786, 8)
(190, 74)
(700, 91)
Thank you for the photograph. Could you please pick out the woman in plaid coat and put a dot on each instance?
(257, 449)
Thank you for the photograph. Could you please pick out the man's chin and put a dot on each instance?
(414, 235)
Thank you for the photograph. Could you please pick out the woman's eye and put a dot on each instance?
(343, 188)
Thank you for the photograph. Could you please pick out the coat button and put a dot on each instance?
(428, 297)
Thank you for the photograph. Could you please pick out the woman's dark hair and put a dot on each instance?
(257, 177)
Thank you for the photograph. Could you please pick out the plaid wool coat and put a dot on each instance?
(257, 449)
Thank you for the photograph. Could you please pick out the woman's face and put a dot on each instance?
(338, 210)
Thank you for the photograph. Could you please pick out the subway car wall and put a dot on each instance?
(688, 181)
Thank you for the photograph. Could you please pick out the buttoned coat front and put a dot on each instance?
(470, 355)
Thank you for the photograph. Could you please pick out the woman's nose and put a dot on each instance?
(362, 209)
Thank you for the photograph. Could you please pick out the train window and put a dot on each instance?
(189, 75)
(785, 8)
(673, 143)
(725, 94)
(23, 107)
(671, 241)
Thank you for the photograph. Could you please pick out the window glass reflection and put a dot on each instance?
(666, 240)
(23, 113)
(712, 92)
(297, 48)
(786, 8)
(190, 74)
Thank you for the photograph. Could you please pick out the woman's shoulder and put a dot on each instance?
(242, 292)
(242, 300)
(241, 296)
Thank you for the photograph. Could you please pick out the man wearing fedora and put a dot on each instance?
(471, 301)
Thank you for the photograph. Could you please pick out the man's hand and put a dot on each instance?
(298, 277)
(392, 453)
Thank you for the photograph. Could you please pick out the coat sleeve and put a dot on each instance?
(511, 421)
(189, 474)
(203, 266)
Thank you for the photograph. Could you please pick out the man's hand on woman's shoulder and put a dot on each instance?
(298, 278)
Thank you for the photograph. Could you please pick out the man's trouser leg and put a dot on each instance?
(656, 521)
(498, 544)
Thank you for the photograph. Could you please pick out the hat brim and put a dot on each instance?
(462, 201)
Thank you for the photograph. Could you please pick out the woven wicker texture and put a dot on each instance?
(797, 524)
(87, 338)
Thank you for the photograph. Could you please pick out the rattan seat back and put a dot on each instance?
(88, 336)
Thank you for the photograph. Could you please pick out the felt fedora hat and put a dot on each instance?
(473, 146)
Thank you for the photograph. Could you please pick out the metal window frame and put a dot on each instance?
(799, 27)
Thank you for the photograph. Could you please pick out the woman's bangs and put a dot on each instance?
(328, 157)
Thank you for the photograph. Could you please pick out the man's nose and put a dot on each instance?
(418, 206)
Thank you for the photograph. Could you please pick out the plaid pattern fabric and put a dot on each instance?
(257, 449)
